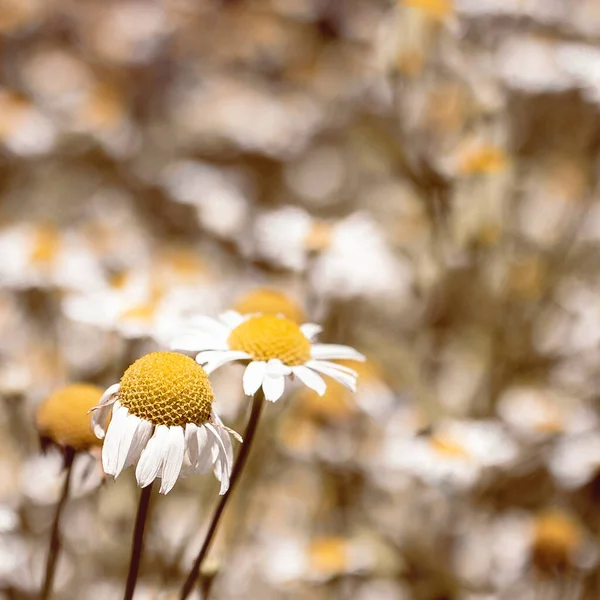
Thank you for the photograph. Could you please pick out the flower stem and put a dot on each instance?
(55, 545)
(257, 404)
(137, 543)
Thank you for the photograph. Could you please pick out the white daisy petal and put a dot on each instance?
(253, 376)
(140, 439)
(276, 368)
(310, 379)
(310, 330)
(227, 357)
(196, 342)
(110, 448)
(173, 459)
(152, 457)
(337, 367)
(329, 351)
(208, 356)
(205, 460)
(232, 319)
(222, 465)
(209, 325)
(273, 387)
(128, 433)
(340, 376)
(191, 442)
(100, 413)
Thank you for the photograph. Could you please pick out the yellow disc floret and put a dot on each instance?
(267, 337)
(167, 388)
(270, 302)
(64, 419)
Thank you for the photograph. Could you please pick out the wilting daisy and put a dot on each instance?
(162, 419)
(275, 347)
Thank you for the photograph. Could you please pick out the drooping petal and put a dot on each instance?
(338, 367)
(191, 442)
(273, 387)
(205, 459)
(336, 351)
(173, 459)
(227, 357)
(152, 457)
(222, 465)
(140, 439)
(310, 330)
(253, 376)
(116, 429)
(127, 435)
(100, 413)
(310, 379)
(345, 379)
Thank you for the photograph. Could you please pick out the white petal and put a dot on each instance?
(273, 387)
(336, 366)
(214, 327)
(116, 430)
(127, 436)
(344, 378)
(215, 417)
(173, 459)
(197, 342)
(310, 379)
(100, 413)
(210, 355)
(152, 457)
(275, 367)
(205, 459)
(222, 464)
(310, 330)
(140, 439)
(253, 376)
(227, 357)
(232, 319)
(328, 351)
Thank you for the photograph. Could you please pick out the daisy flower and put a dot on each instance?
(162, 419)
(275, 348)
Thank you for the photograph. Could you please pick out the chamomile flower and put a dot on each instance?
(275, 347)
(162, 419)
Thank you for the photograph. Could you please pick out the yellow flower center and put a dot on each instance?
(270, 302)
(63, 416)
(448, 447)
(167, 388)
(267, 336)
(329, 555)
(556, 537)
(45, 245)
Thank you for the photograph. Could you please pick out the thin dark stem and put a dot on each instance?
(137, 544)
(55, 544)
(257, 405)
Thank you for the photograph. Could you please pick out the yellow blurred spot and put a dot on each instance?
(270, 302)
(141, 312)
(319, 237)
(482, 159)
(557, 536)
(410, 62)
(46, 244)
(328, 555)
(448, 447)
(438, 10)
(103, 109)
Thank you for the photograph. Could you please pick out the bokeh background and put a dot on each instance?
(421, 177)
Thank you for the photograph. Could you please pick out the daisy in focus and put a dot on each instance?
(162, 419)
(275, 347)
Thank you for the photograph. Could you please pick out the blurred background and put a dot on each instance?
(419, 176)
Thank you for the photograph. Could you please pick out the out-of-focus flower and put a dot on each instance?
(63, 417)
(537, 413)
(575, 459)
(162, 419)
(17, 14)
(24, 130)
(218, 194)
(359, 263)
(321, 558)
(455, 455)
(42, 476)
(42, 256)
(269, 301)
(276, 348)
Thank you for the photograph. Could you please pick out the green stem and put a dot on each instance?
(257, 404)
